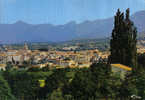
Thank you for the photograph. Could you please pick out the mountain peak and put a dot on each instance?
(20, 22)
(139, 13)
(71, 23)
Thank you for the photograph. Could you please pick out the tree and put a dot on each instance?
(141, 60)
(55, 95)
(56, 81)
(82, 86)
(101, 76)
(133, 85)
(5, 91)
(123, 41)
(25, 85)
(9, 66)
(115, 83)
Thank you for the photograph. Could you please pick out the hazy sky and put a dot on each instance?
(63, 11)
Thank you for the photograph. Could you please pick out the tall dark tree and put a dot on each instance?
(123, 41)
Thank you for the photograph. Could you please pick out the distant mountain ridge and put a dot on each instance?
(21, 31)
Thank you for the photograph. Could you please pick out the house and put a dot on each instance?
(2, 66)
(11, 52)
(3, 58)
(64, 64)
(84, 65)
(120, 69)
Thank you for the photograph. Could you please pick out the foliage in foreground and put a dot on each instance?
(5, 91)
(94, 83)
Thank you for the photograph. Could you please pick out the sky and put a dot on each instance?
(63, 11)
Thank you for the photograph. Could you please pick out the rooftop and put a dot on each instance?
(122, 66)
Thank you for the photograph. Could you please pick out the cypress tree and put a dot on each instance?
(123, 41)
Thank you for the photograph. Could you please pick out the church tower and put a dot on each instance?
(26, 46)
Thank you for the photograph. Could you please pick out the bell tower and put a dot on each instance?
(26, 46)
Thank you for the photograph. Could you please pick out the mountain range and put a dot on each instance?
(21, 31)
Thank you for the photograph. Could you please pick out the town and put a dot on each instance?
(53, 59)
(26, 58)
